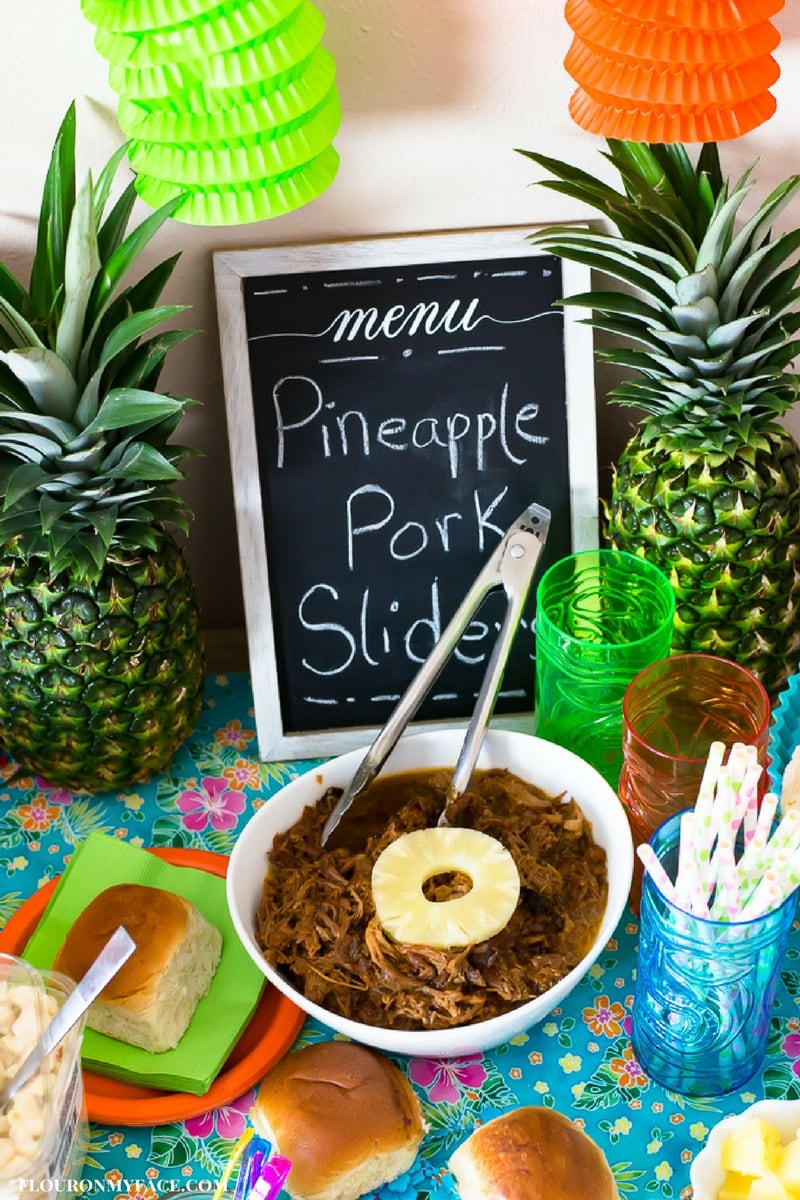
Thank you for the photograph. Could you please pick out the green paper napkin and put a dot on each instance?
(221, 1016)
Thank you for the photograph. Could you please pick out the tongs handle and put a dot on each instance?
(517, 568)
(511, 566)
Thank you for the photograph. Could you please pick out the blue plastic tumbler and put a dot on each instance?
(704, 989)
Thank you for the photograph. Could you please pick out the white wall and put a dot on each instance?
(436, 95)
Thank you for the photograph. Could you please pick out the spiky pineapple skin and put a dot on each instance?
(99, 684)
(727, 535)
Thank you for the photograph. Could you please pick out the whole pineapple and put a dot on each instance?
(709, 485)
(101, 666)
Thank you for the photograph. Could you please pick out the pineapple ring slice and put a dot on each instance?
(406, 864)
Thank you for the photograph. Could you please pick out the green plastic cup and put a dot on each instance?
(601, 616)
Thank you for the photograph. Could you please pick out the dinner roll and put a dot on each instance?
(531, 1153)
(152, 998)
(346, 1118)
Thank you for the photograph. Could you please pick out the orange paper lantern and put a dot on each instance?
(607, 118)
(594, 25)
(694, 14)
(672, 70)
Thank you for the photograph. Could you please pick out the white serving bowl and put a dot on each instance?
(706, 1174)
(552, 768)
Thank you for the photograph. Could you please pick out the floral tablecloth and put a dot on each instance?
(579, 1060)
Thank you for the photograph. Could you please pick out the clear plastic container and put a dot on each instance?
(43, 1135)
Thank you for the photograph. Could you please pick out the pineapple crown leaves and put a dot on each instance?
(87, 465)
(710, 304)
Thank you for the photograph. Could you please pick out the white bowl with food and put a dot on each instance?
(314, 931)
(759, 1144)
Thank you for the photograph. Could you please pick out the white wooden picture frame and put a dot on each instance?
(277, 740)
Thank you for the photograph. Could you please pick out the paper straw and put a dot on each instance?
(705, 796)
(766, 815)
(740, 758)
(752, 865)
(726, 899)
(695, 892)
(709, 881)
(701, 839)
(750, 797)
(692, 881)
(687, 856)
(781, 851)
(787, 835)
(652, 864)
(787, 867)
(729, 803)
(770, 893)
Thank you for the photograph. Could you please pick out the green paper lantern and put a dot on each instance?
(225, 28)
(233, 106)
(239, 160)
(239, 204)
(231, 113)
(134, 15)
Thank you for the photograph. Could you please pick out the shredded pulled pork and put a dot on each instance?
(317, 924)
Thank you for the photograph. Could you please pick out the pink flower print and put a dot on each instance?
(791, 1048)
(213, 801)
(229, 1120)
(444, 1078)
(58, 795)
(233, 735)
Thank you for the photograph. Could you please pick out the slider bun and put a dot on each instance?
(531, 1153)
(152, 998)
(345, 1116)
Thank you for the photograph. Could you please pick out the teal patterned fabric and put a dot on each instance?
(579, 1060)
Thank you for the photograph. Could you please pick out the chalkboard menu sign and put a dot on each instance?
(393, 405)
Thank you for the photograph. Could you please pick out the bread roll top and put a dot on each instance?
(332, 1106)
(157, 921)
(532, 1153)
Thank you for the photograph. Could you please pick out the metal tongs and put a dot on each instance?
(511, 567)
